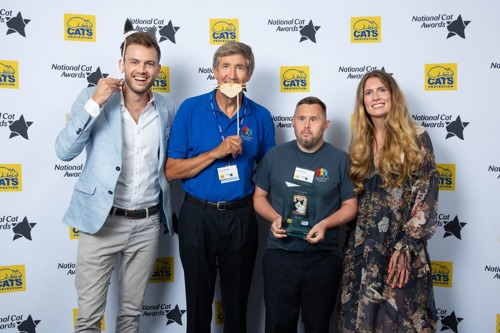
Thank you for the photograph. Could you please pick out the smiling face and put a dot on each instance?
(309, 123)
(232, 69)
(377, 98)
(141, 68)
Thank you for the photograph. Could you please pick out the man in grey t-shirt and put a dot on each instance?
(303, 273)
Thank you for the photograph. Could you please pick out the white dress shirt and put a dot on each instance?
(138, 186)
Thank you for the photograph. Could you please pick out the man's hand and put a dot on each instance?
(276, 228)
(105, 88)
(317, 233)
(232, 145)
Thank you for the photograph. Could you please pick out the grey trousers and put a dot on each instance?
(136, 242)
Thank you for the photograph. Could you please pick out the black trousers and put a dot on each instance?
(211, 240)
(300, 281)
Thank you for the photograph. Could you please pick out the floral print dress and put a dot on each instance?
(401, 218)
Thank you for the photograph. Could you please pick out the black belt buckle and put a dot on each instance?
(223, 205)
(135, 214)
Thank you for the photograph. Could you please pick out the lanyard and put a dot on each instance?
(217, 118)
(218, 123)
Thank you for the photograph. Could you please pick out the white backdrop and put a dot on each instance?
(43, 67)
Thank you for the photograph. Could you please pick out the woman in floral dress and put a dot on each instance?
(387, 281)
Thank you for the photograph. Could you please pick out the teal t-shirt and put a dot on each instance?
(331, 176)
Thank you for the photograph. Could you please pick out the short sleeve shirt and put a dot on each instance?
(199, 126)
(331, 174)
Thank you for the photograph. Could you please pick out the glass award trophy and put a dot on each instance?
(299, 208)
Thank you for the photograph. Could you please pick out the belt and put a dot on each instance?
(134, 214)
(222, 205)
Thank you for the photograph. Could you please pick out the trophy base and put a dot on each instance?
(296, 233)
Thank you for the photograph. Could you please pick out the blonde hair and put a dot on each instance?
(399, 158)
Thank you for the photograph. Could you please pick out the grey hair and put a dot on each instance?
(232, 48)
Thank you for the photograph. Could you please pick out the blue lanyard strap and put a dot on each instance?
(217, 118)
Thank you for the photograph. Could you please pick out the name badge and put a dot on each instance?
(228, 174)
(304, 175)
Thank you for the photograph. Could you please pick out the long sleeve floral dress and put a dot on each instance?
(399, 218)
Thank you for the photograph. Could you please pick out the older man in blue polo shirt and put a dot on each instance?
(216, 140)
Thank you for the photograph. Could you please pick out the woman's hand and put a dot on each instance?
(399, 271)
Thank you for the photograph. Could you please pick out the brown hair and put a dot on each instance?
(141, 38)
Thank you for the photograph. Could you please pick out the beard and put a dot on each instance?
(129, 81)
(309, 142)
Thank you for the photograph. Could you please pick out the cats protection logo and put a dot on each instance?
(366, 29)
(442, 274)
(294, 78)
(219, 313)
(11, 178)
(79, 28)
(12, 279)
(440, 77)
(74, 233)
(162, 81)
(223, 30)
(163, 270)
(9, 74)
(446, 176)
(75, 314)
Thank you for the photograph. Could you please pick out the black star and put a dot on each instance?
(456, 128)
(457, 27)
(308, 32)
(19, 127)
(28, 326)
(23, 229)
(175, 315)
(17, 24)
(167, 32)
(454, 228)
(94, 77)
(450, 322)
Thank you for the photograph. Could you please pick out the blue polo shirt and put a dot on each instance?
(195, 130)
